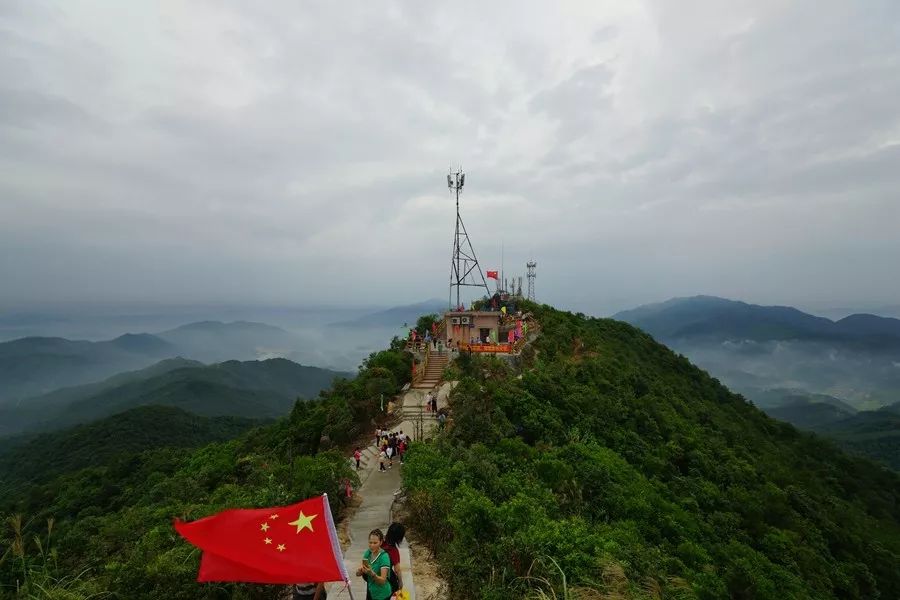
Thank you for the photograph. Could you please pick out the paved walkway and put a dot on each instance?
(377, 491)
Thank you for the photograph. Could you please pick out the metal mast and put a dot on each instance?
(463, 264)
(531, 275)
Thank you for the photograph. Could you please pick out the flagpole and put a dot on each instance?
(336, 545)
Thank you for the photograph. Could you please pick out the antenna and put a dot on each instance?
(531, 266)
(463, 264)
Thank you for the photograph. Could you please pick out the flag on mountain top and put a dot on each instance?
(493, 275)
(284, 544)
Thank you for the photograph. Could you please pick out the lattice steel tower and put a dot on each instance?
(531, 275)
(463, 264)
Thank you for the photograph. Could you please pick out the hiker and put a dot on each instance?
(392, 539)
(357, 455)
(434, 403)
(308, 591)
(377, 435)
(381, 456)
(442, 420)
(376, 565)
(390, 456)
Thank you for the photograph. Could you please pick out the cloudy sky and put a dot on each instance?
(295, 152)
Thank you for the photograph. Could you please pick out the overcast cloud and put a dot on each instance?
(295, 153)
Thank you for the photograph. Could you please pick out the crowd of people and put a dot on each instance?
(390, 445)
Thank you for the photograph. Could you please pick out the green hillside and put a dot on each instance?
(36, 365)
(105, 531)
(42, 457)
(253, 389)
(641, 477)
(873, 433)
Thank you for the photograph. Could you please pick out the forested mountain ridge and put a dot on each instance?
(642, 477)
(758, 349)
(34, 366)
(40, 458)
(252, 389)
(723, 319)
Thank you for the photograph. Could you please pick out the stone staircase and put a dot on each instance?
(434, 370)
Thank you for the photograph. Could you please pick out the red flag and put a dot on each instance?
(493, 275)
(284, 544)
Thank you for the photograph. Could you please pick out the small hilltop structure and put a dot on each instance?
(493, 324)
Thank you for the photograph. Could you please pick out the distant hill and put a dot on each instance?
(754, 348)
(38, 365)
(253, 389)
(708, 317)
(42, 457)
(31, 366)
(214, 341)
(27, 411)
(397, 316)
(874, 433)
(809, 415)
(775, 398)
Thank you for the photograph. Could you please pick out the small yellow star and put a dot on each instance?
(303, 522)
(273, 516)
(264, 527)
(281, 547)
(267, 540)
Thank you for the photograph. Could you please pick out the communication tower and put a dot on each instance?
(531, 265)
(464, 267)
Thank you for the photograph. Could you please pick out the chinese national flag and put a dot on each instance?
(493, 275)
(285, 544)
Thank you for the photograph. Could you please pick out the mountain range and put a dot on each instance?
(252, 389)
(37, 365)
(831, 377)
(754, 349)
(718, 319)
(397, 316)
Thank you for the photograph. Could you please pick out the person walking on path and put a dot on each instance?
(395, 534)
(375, 567)
(381, 456)
(357, 455)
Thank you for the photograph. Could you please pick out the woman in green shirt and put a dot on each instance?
(375, 567)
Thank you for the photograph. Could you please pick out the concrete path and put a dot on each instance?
(377, 491)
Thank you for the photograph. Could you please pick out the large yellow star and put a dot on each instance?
(303, 522)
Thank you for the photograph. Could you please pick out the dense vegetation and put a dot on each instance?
(641, 477)
(108, 528)
(874, 433)
(40, 458)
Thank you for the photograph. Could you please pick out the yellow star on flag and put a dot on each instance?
(264, 527)
(303, 522)
(267, 540)
(273, 516)
(281, 547)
